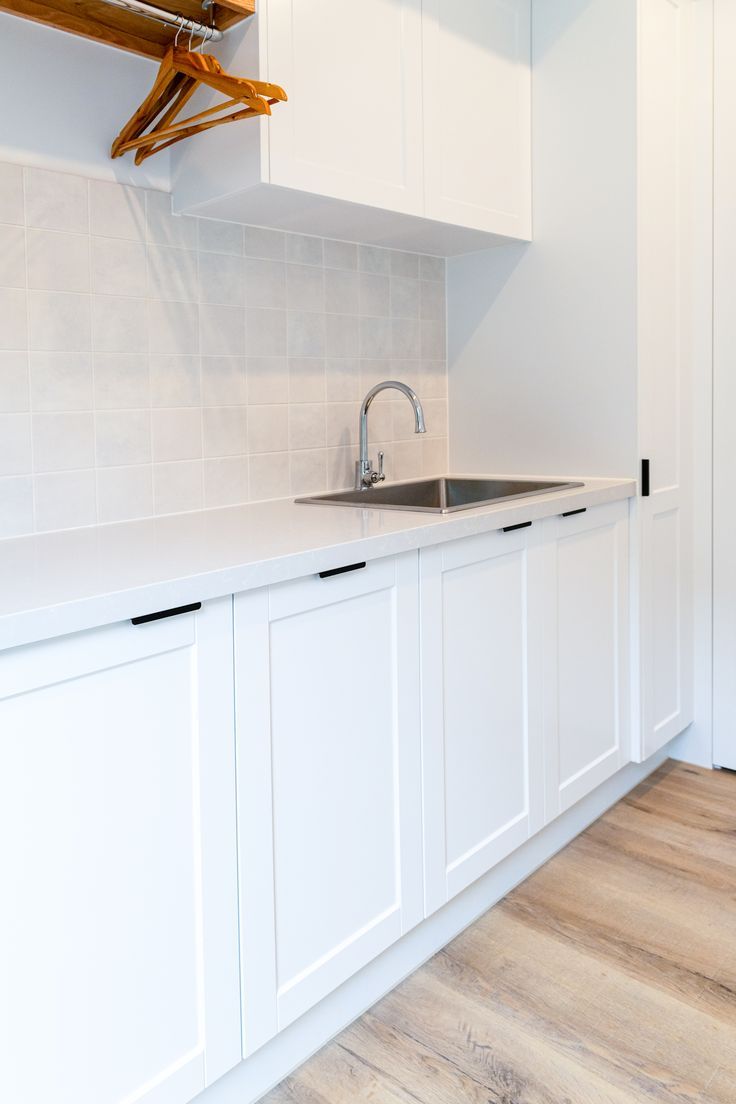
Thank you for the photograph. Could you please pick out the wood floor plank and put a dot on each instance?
(608, 977)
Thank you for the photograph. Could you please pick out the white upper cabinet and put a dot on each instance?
(477, 107)
(352, 128)
(408, 124)
(329, 780)
(482, 754)
(119, 939)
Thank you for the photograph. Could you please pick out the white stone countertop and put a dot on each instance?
(57, 583)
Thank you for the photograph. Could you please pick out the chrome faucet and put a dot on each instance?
(365, 474)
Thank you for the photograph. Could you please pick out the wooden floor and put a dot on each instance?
(609, 977)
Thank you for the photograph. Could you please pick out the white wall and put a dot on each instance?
(65, 99)
(542, 338)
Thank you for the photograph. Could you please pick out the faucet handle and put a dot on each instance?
(381, 476)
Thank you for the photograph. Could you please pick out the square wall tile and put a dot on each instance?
(176, 434)
(119, 325)
(175, 380)
(172, 274)
(117, 210)
(121, 381)
(270, 476)
(268, 380)
(12, 256)
(221, 280)
(225, 481)
(16, 457)
(124, 493)
(220, 237)
(118, 267)
(56, 201)
(224, 431)
(58, 262)
(265, 283)
(59, 321)
(122, 437)
(173, 327)
(65, 500)
(13, 325)
(166, 228)
(223, 381)
(267, 244)
(63, 442)
(15, 391)
(303, 249)
(178, 487)
(61, 381)
(11, 194)
(16, 506)
(268, 429)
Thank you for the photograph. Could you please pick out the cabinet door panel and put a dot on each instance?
(665, 268)
(121, 947)
(586, 654)
(328, 716)
(477, 113)
(352, 126)
(482, 783)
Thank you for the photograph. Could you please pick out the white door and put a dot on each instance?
(664, 516)
(724, 392)
(586, 680)
(327, 687)
(481, 705)
(118, 932)
(477, 113)
(352, 127)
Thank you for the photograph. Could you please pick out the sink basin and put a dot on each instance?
(444, 495)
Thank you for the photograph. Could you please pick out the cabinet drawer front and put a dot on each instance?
(311, 592)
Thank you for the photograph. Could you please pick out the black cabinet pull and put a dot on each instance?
(144, 620)
(341, 570)
(511, 528)
(571, 513)
(645, 479)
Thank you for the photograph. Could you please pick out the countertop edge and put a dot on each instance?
(43, 622)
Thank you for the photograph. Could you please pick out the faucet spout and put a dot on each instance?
(365, 475)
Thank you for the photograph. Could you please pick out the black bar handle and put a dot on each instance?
(571, 513)
(341, 570)
(144, 620)
(512, 528)
(645, 479)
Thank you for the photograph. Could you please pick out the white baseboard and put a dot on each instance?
(249, 1081)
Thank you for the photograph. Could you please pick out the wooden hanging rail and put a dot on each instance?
(105, 21)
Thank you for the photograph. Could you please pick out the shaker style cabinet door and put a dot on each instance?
(477, 113)
(118, 934)
(586, 652)
(481, 705)
(352, 128)
(329, 806)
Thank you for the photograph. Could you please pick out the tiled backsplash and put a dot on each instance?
(152, 364)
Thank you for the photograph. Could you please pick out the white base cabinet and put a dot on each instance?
(327, 685)
(118, 934)
(524, 685)
(214, 820)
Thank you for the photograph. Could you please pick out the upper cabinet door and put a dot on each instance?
(119, 937)
(477, 114)
(329, 821)
(352, 128)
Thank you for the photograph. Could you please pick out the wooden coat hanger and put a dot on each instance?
(180, 74)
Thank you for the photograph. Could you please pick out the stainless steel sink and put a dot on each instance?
(438, 496)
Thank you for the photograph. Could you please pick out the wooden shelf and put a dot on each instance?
(124, 29)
